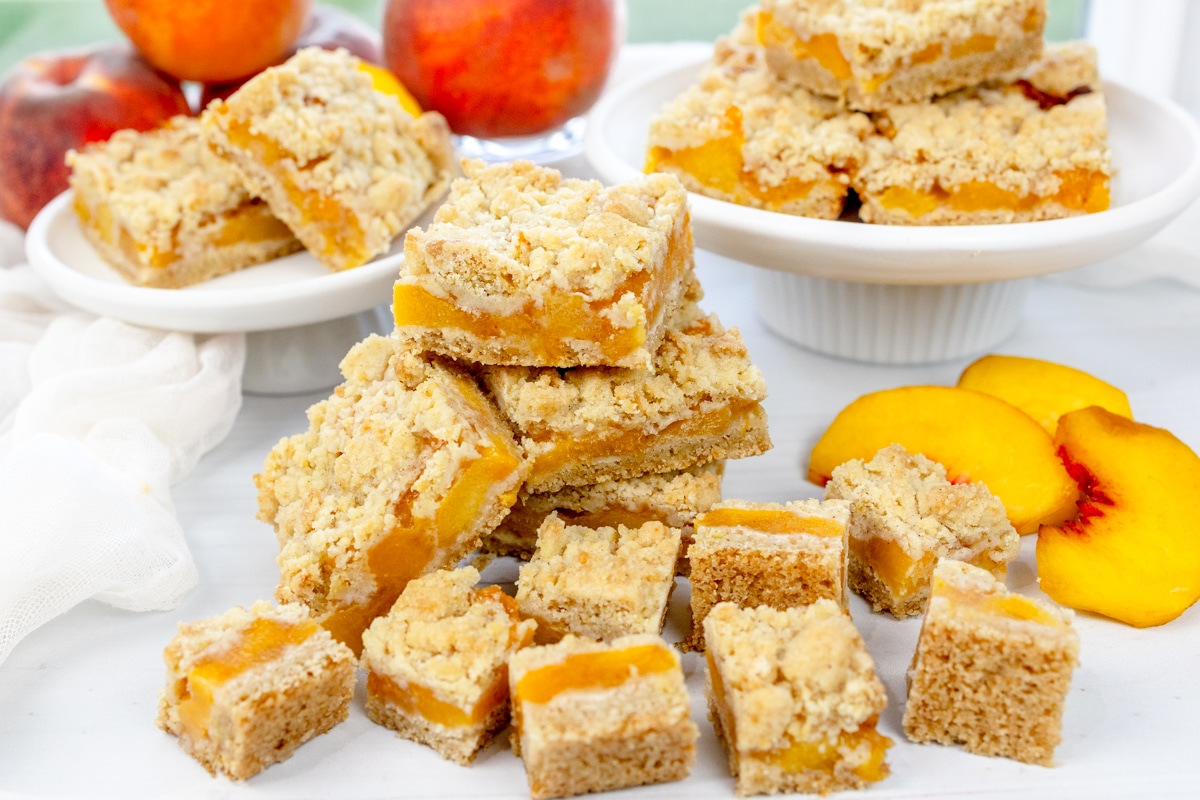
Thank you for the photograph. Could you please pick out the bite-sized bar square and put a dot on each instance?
(246, 688)
(594, 717)
(745, 135)
(1020, 150)
(165, 211)
(768, 554)
(523, 267)
(437, 663)
(904, 516)
(875, 55)
(602, 583)
(794, 699)
(700, 403)
(401, 471)
(344, 165)
(991, 670)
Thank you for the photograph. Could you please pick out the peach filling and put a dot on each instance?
(338, 226)
(768, 521)
(822, 47)
(548, 330)
(100, 220)
(606, 669)
(1079, 190)
(1010, 606)
(732, 419)
(905, 576)
(415, 699)
(975, 44)
(250, 224)
(414, 543)
(262, 641)
(718, 164)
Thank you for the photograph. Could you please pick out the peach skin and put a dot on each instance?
(1133, 553)
(976, 437)
(1042, 389)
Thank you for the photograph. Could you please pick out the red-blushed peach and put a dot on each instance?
(976, 437)
(1042, 389)
(57, 101)
(1133, 551)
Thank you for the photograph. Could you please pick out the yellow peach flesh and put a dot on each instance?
(1011, 606)
(1079, 190)
(418, 700)
(605, 669)
(824, 48)
(768, 521)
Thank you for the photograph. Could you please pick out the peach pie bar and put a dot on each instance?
(794, 699)
(991, 669)
(165, 211)
(602, 583)
(247, 688)
(594, 717)
(342, 164)
(743, 135)
(437, 663)
(587, 425)
(877, 54)
(1030, 149)
(772, 554)
(904, 516)
(400, 473)
(523, 267)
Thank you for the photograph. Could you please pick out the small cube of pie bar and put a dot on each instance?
(594, 717)
(744, 135)
(523, 267)
(672, 498)
(875, 55)
(401, 471)
(1020, 151)
(165, 211)
(794, 699)
(598, 582)
(246, 688)
(700, 403)
(344, 165)
(767, 554)
(437, 663)
(991, 670)
(904, 516)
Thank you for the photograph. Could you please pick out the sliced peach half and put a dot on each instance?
(1042, 389)
(1133, 553)
(976, 437)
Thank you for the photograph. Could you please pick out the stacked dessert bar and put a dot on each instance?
(921, 111)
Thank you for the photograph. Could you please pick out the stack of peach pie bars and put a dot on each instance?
(900, 112)
(305, 155)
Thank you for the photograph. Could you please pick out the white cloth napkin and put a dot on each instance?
(97, 419)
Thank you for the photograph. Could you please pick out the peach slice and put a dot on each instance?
(1133, 553)
(976, 437)
(1042, 389)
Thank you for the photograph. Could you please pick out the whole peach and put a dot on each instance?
(211, 40)
(57, 101)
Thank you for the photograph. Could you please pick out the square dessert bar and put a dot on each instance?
(165, 211)
(523, 267)
(794, 699)
(437, 663)
(400, 473)
(904, 516)
(1030, 149)
(344, 165)
(768, 554)
(672, 498)
(873, 55)
(991, 670)
(598, 582)
(745, 135)
(700, 403)
(593, 717)
(246, 688)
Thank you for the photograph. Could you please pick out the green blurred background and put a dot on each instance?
(27, 26)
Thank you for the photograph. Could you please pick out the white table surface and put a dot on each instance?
(78, 696)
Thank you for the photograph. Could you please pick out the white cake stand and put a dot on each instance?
(299, 318)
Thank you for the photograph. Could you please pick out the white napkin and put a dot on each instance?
(97, 419)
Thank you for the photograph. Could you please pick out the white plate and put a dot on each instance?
(1156, 153)
(286, 292)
